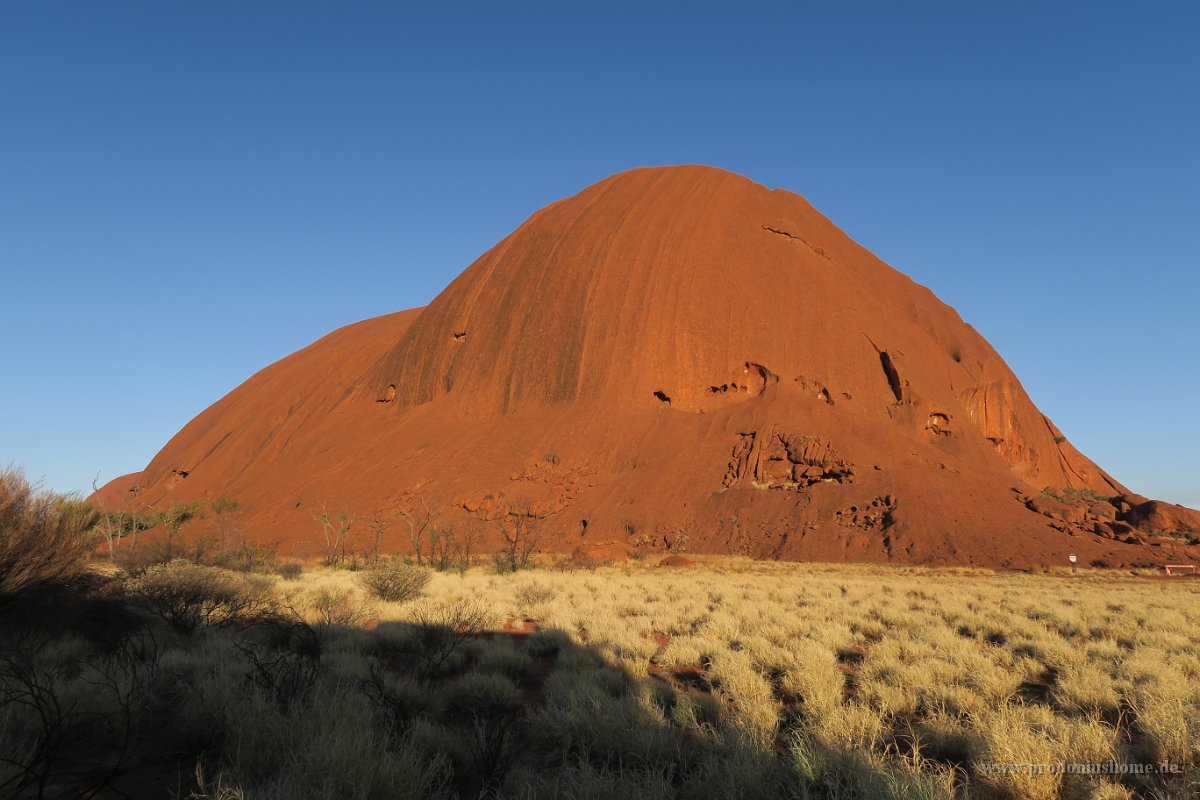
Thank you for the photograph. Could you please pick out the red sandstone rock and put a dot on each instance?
(1056, 509)
(1155, 515)
(673, 348)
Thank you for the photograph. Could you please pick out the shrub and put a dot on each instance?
(326, 747)
(442, 629)
(249, 558)
(61, 707)
(44, 537)
(394, 581)
(289, 570)
(501, 657)
(489, 706)
(399, 700)
(189, 596)
(547, 642)
(284, 657)
(534, 594)
(339, 607)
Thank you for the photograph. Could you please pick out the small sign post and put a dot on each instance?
(1072, 558)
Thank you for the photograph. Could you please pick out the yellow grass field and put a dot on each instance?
(860, 681)
(726, 679)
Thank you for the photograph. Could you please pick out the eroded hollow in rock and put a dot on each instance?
(389, 395)
(763, 375)
(460, 336)
(893, 377)
(663, 396)
(752, 379)
(175, 477)
(938, 424)
(815, 388)
(877, 514)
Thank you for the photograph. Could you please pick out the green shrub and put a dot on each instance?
(44, 537)
(1075, 496)
(394, 581)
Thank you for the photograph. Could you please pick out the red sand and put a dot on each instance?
(673, 359)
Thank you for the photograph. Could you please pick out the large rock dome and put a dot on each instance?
(673, 358)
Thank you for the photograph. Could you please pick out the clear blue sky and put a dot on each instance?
(191, 190)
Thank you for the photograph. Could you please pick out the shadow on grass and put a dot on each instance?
(466, 708)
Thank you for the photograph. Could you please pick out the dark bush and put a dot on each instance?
(489, 706)
(190, 596)
(443, 628)
(399, 700)
(82, 710)
(284, 655)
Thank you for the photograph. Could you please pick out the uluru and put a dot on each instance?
(674, 360)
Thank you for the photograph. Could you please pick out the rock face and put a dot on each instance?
(673, 359)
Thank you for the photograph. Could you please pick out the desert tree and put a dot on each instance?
(451, 546)
(380, 523)
(335, 530)
(224, 518)
(443, 547)
(137, 521)
(519, 528)
(468, 542)
(417, 513)
(107, 527)
(172, 520)
(113, 525)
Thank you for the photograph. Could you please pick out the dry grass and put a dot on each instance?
(880, 681)
(730, 679)
(43, 535)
